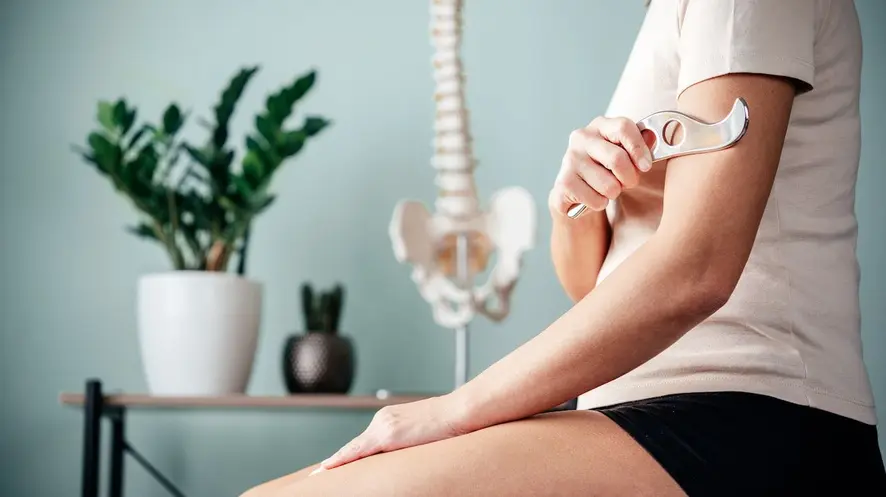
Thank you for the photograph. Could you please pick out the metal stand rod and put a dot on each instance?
(92, 415)
(168, 485)
(461, 356)
(462, 256)
(118, 450)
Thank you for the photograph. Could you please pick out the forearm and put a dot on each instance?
(578, 248)
(644, 306)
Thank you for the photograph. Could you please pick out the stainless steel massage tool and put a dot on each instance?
(698, 137)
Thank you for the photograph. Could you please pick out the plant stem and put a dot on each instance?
(175, 254)
(217, 258)
(241, 263)
(199, 253)
(173, 213)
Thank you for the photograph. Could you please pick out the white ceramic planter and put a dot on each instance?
(198, 332)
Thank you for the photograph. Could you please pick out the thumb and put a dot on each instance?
(362, 446)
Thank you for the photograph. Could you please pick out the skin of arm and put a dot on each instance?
(687, 270)
(578, 248)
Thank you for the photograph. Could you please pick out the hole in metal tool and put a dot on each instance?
(672, 133)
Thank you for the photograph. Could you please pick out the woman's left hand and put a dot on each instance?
(401, 426)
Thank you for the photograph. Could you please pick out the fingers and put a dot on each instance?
(612, 150)
(615, 160)
(625, 133)
(360, 447)
(596, 176)
(376, 438)
(602, 159)
(583, 182)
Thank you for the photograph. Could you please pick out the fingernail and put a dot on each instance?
(645, 164)
(318, 470)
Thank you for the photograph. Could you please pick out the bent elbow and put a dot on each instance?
(712, 291)
(703, 276)
(715, 295)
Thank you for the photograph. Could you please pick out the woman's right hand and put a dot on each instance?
(602, 160)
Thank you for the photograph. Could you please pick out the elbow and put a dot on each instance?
(701, 274)
(705, 283)
(711, 292)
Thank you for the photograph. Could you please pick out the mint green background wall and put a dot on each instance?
(536, 71)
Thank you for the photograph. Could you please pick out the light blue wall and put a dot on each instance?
(536, 70)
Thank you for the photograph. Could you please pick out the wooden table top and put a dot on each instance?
(245, 401)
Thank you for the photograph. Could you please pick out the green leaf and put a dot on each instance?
(145, 164)
(314, 124)
(133, 141)
(253, 145)
(277, 109)
(107, 155)
(99, 143)
(253, 170)
(291, 143)
(279, 105)
(217, 163)
(198, 207)
(92, 160)
(172, 120)
(198, 155)
(106, 115)
(221, 161)
(242, 186)
(128, 120)
(142, 230)
(120, 112)
(231, 206)
(126, 177)
(228, 101)
(266, 128)
(270, 159)
(219, 136)
(262, 202)
(197, 175)
(300, 87)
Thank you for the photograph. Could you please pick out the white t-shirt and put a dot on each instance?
(791, 329)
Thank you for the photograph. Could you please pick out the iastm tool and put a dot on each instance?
(697, 137)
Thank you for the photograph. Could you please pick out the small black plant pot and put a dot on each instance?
(318, 363)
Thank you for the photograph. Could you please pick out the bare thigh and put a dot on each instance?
(556, 454)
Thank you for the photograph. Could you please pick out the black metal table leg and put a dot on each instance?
(118, 449)
(92, 416)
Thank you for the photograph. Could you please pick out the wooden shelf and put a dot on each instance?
(246, 401)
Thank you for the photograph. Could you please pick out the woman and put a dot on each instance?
(714, 342)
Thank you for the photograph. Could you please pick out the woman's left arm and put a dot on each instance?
(687, 270)
(713, 204)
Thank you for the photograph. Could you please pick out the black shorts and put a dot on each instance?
(729, 443)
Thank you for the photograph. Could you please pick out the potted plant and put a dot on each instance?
(198, 323)
(321, 360)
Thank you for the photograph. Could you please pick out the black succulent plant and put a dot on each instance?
(322, 310)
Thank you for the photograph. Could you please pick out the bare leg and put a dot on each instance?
(556, 454)
(269, 488)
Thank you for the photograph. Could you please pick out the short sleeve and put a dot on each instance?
(774, 37)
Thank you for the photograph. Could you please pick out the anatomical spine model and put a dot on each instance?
(431, 242)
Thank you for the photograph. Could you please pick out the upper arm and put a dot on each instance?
(713, 202)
